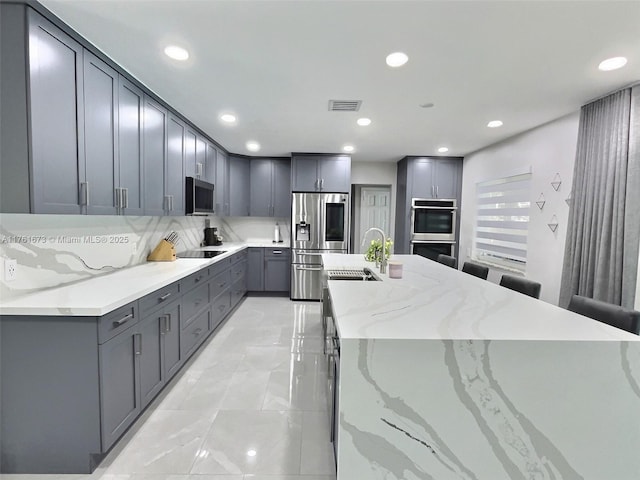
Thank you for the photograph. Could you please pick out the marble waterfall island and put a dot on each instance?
(445, 376)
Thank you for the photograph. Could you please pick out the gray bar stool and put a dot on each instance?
(447, 260)
(522, 285)
(475, 270)
(613, 315)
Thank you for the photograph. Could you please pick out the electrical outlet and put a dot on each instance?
(10, 269)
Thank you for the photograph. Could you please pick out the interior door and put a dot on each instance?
(375, 211)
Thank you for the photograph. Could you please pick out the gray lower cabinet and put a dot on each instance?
(277, 269)
(255, 274)
(80, 382)
(270, 187)
(269, 269)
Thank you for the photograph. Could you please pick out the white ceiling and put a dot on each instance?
(275, 64)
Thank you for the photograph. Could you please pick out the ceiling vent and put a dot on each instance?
(344, 105)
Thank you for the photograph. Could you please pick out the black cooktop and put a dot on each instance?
(200, 253)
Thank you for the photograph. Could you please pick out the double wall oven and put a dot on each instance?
(319, 224)
(433, 227)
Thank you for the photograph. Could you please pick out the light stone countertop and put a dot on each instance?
(432, 301)
(103, 294)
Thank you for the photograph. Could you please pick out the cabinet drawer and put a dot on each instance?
(195, 280)
(194, 334)
(219, 266)
(220, 308)
(238, 290)
(238, 257)
(194, 301)
(238, 271)
(277, 252)
(117, 321)
(220, 283)
(164, 295)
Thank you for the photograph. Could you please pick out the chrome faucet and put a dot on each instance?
(383, 259)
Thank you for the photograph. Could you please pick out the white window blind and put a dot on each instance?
(502, 221)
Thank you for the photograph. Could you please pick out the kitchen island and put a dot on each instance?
(446, 376)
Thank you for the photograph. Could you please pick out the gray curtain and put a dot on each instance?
(601, 252)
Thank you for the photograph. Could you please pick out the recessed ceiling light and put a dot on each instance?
(363, 122)
(443, 150)
(612, 64)
(494, 124)
(253, 146)
(427, 105)
(397, 59)
(177, 53)
(228, 118)
(251, 453)
(348, 148)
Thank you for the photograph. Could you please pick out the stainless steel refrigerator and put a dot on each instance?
(319, 224)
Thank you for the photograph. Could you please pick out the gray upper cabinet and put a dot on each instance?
(190, 154)
(174, 172)
(222, 184)
(130, 164)
(201, 158)
(155, 145)
(435, 177)
(56, 119)
(210, 164)
(100, 134)
(239, 185)
(321, 173)
(270, 187)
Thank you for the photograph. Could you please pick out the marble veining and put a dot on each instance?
(445, 376)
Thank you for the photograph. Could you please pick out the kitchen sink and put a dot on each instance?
(352, 274)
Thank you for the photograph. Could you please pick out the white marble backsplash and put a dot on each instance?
(54, 250)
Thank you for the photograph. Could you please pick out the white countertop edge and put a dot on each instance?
(102, 294)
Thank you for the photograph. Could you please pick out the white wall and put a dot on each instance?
(378, 173)
(545, 151)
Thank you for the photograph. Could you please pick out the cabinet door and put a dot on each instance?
(255, 276)
(190, 154)
(55, 67)
(201, 158)
(447, 174)
(210, 167)
(151, 365)
(422, 178)
(335, 174)
(174, 172)
(261, 187)
(155, 144)
(130, 104)
(171, 331)
(222, 184)
(100, 134)
(119, 382)
(304, 174)
(281, 188)
(239, 186)
(277, 273)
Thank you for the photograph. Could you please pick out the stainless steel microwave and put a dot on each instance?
(199, 199)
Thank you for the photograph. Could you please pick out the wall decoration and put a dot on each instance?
(541, 201)
(553, 224)
(568, 200)
(556, 182)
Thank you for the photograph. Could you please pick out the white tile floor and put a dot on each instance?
(251, 405)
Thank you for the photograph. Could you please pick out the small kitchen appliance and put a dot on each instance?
(211, 237)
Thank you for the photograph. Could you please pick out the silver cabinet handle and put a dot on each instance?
(169, 322)
(124, 319)
(321, 183)
(118, 197)
(197, 332)
(276, 252)
(165, 205)
(171, 203)
(126, 197)
(164, 297)
(310, 254)
(84, 193)
(137, 343)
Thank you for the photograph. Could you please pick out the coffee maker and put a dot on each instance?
(211, 237)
